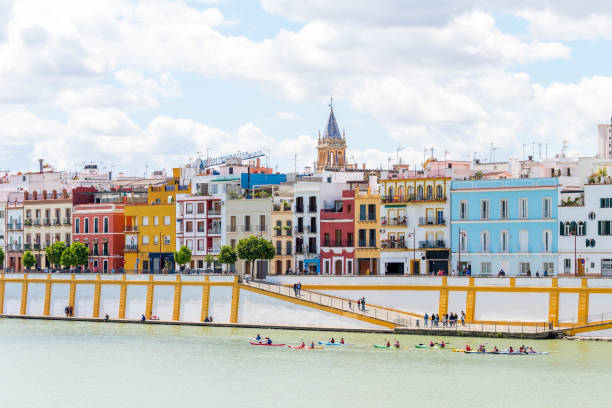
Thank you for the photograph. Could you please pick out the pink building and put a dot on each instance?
(337, 236)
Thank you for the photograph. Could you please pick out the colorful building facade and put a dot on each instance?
(338, 236)
(367, 233)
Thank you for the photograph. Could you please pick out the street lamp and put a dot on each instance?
(461, 235)
(575, 256)
(413, 234)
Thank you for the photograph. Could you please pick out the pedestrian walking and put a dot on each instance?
(363, 303)
(425, 319)
(358, 304)
(462, 318)
(295, 289)
(299, 288)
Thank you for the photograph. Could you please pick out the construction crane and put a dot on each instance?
(492, 152)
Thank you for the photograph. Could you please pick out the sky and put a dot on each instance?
(142, 85)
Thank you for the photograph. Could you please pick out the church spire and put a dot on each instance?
(331, 130)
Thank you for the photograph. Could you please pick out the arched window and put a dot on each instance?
(390, 192)
(573, 227)
(429, 192)
(581, 228)
(439, 193)
(567, 228)
(419, 193)
(410, 191)
(400, 191)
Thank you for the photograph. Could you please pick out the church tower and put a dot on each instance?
(332, 146)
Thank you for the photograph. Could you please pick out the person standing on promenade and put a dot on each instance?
(425, 318)
(462, 318)
(363, 303)
(358, 304)
(299, 288)
(295, 289)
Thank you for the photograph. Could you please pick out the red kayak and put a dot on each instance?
(265, 344)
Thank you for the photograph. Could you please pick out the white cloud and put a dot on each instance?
(287, 116)
(547, 24)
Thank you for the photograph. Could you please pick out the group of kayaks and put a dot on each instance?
(267, 342)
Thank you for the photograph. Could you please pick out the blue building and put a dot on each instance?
(508, 225)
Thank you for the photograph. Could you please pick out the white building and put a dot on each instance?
(604, 141)
(310, 195)
(585, 241)
(3, 231)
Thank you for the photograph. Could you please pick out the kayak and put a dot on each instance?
(384, 347)
(266, 344)
(425, 346)
(474, 352)
(517, 353)
(326, 343)
(305, 348)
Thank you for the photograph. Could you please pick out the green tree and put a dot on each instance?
(54, 252)
(80, 254)
(67, 259)
(1, 258)
(253, 248)
(227, 256)
(182, 256)
(28, 260)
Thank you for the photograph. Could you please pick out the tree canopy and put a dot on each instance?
(80, 254)
(227, 255)
(182, 256)
(28, 260)
(54, 252)
(253, 248)
(67, 259)
(1, 258)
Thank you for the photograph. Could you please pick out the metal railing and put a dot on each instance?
(214, 230)
(432, 244)
(66, 221)
(432, 221)
(395, 221)
(393, 244)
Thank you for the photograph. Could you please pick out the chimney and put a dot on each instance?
(34, 195)
(54, 194)
(25, 195)
(40, 161)
(364, 166)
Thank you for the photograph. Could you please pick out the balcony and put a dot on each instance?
(14, 247)
(312, 208)
(312, 229)
(393, 244)
(412, 199)
(27, 246)
(365, 244)
(57, 221)
(36, 246)
(15, 226)
(27, 222)
(431, 221)
(213, 251)
(394, 222)
(66, 221)
(245, 228)
(432, 244)
(299, 229)
(231, 228)
(47, 221)
(214, 212)
(367, 219)
(287, 251)
(37, 222)
(338, 243)
(261, 228)
(130, 248)
(130, 228)
(214, 231)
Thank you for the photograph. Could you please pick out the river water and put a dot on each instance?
(81, 364)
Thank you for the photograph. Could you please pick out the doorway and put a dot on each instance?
(580, 267)
(394, 268)
(415, 267)
(338, 267)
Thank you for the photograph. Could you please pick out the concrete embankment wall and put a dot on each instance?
(173, 298)
(564, 301)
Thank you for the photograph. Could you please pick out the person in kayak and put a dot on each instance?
(397, 344)
(388, 344)
(303, 345)
(258, 338)
(522, 349)
(442, 345)
(468, 348)
(495, 349)
(332, 341)
(341, 340)
(511, 350)
(531, 350)
(312, 346)
(431, 343)
(268, 340)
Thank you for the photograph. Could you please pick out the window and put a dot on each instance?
(439, 193)
(200, 244)
(484, 241)
(326, 239)
(288, 247)
(605, 202)
(503, 209)
(463, 243)
(166, 239)
(145, 220)
(279, 247)
(156, 220)
(546, 207)
(603, 227)
(372, 238)
(362, 212)
(156, 240)
(372, 212)
(591, 215)
(429, 192)
(86, 226)
(485, 268)
(105, 225)
(233, 243)
(288, 230)
(567, 265)
(547, 238)
(523, 241)
(77, 225)
(549, 268)
(463, 210)
(523, 208)
(504, 244)
(362, 238)
(484, 209)
(581, 228)
(247, 222)
(200, 226)
(189, 226)
(96, 225)
(167, 220)
(190, 244)
(419, 193)
(606, 267)
(200, 208)
(189, 208)
(525, 269)
(145, 239)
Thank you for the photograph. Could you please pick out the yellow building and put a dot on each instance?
(367, 227)
(150, 229)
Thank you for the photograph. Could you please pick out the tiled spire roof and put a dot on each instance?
(332, 131)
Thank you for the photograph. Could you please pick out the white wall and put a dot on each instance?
(191, 304)
(109, 300)
(415, 301)
(568, 306)
(456, 301)
(83, 300)
(163, 302)
(527, 307)
(135, 301)
(220, 305)
(36, 299)
(60, 296)
(260, 309)
(600, 304)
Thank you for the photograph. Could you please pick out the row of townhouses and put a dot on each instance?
(520, 217)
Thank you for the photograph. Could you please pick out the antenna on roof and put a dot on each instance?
(331, 102)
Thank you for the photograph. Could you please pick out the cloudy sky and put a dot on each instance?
(152, 83)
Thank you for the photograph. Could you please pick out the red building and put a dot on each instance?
(337, 236)
(99, 225)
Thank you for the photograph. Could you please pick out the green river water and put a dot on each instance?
(80, 364)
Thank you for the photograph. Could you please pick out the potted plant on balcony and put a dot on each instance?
(287, 228)
(286, 206)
